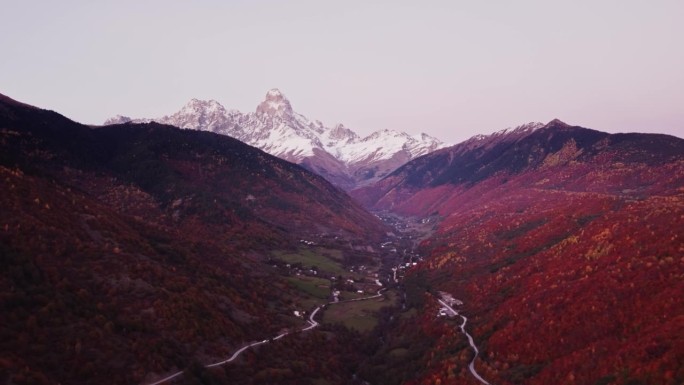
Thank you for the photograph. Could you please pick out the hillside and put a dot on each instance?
(131, 251)
(565, 245)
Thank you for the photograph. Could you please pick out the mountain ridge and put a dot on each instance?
(516, 149)
(338, 153)
(563, 242)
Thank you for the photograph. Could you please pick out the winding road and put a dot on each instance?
(471, 366)
(312, 324)
(232, 358)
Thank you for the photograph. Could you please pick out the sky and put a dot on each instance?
(452, 69)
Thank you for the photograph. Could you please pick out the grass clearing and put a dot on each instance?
(311, 286)
(323, 259)
(347, 295)
(334, 254)
(359, 315)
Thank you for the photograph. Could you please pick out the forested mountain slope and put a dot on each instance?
(565, 245)
(136, 249)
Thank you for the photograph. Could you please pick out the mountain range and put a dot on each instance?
(133, 251)
(337, 153)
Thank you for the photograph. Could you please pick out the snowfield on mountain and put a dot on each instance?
(337, 153)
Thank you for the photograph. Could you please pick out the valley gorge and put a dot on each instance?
(140, 252)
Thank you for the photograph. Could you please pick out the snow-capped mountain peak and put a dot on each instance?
(196, 106)
(118, 119)
(338, 153)
(522, 129)
(275, 105)
(340, 133)
(207, 115)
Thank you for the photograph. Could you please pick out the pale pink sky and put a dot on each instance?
(452, 68)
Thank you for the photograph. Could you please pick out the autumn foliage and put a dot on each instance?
(129, 252)
(570, 266)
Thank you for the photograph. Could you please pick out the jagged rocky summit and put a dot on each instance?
(337, 153)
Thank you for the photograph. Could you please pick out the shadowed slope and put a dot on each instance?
(137, 249)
